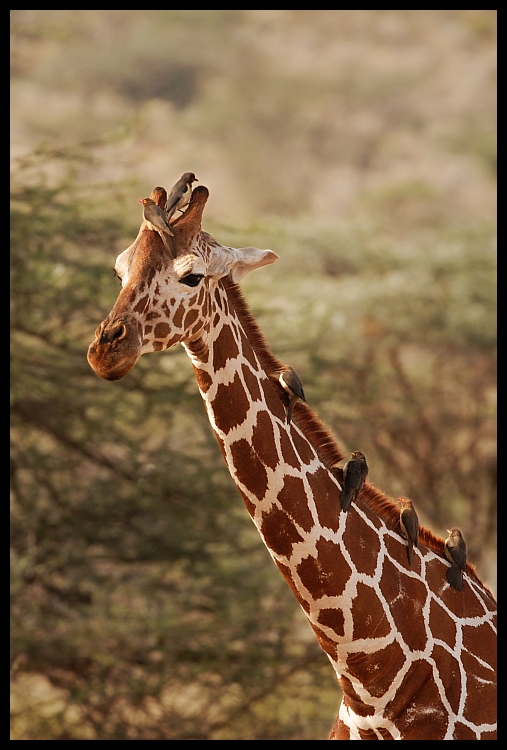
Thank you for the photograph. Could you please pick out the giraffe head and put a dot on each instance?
(167, 293)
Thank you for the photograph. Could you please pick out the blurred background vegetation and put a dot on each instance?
(361, 147)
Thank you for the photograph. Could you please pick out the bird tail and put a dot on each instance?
(454, 577)
(410, 552)
(345, 500)
(289, 411)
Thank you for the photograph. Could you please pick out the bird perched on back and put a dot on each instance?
(156, 219)
(180, 193)
(355, 472)
(456, 552)
(409, 524)
(292, 385)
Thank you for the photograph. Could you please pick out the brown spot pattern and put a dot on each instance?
(288, 453)
(178, 315)
(368, 614)
(249, 469)
(340, 731)
(361, 537)
(249, 505)
(431, 724)
(325, 495)
(333, 618)
(224, 348)
(272, 399)
(151, 275)
(230, 405)
(481, 642)
(142, 304)
(480, 706)
(247, 350)
(440, 623)
(367, 734)
(203, 379)
(303, 448)
(385, 733)
(190, 319)
(327, 573)
(292, 498)
(448, 670)
(326, 643)
(263, 440)
(279, 531)
(462, 732)
(352, 699)
(161, 330)
(405, 597)
(285, 571)
(251, 383)
(489, 735)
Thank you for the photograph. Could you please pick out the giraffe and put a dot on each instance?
(414, 657)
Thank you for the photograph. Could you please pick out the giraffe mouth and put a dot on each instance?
(115, 371)
(115, 349)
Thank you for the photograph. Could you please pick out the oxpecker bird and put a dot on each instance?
(180, 193)
(355, 472)
(156, 219)
(409, 526)
(456, 552)
(292, 385)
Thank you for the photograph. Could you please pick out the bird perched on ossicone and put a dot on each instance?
(409, 524)
(180, 193)
(156, 219)
(355, 472)
(292, 385)
(456, 552)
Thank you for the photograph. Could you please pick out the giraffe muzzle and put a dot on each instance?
(115, 349)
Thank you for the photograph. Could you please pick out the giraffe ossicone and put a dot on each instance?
(415, 658)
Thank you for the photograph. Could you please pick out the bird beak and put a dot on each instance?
(140, 200)
(448, 531)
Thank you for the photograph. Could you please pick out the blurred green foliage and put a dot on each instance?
(360, 147)
(141, 593)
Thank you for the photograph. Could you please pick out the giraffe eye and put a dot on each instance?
(192, 279)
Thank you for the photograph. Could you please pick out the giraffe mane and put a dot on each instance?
(320, 439)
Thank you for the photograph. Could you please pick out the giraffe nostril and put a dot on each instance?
(119, 333)
(107, 336)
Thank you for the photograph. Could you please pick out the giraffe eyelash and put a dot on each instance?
(191, 279)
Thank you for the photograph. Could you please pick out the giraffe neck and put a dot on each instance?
(376, 620)
(238, 379)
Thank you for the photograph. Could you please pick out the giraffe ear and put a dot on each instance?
(249, 259)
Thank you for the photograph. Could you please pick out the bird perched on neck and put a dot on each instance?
(456, 552)
(156, 219)
(355, 472)
(180, 193)
(409, 524)
(292, 385)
